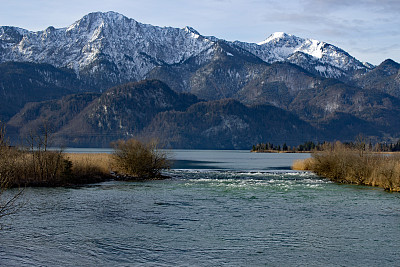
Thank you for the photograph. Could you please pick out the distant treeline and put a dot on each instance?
(311, 146)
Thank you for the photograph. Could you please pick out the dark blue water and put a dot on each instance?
(221, 208)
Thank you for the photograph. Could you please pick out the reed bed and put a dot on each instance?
(20, 168)
(89, 167)
(302, 164)
(86, 163)
(342, 164)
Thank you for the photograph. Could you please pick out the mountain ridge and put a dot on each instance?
(150, 109)
(91, 44)
(319, 85)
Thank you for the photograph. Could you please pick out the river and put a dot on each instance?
(220, 208)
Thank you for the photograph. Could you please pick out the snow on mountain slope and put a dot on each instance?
(133, 48)
(109, 46)
(315, 56)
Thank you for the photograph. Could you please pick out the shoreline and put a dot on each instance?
(350, 167)
(84, 169)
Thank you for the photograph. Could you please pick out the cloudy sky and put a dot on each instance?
(367, 29)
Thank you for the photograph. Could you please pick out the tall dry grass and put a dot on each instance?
(36, 165)
(356, 165)
(89, 166)
(302, 164)
(20, 168)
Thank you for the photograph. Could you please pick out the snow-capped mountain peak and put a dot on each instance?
(284, 45)
(94, 20)
(191, 30)
(313, 55)
(275, 36)
(127, 50)
(103, 42)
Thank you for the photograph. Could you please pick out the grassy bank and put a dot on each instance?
(354, 165)
(33, 164)
(50, 168)
(36, 165)
(19, 168)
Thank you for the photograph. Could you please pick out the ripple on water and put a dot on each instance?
(206, 218)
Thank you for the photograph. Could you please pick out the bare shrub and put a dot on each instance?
(387, 174)
(137, 159)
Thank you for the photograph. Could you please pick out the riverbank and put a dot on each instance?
(351, 166)
(57, 169)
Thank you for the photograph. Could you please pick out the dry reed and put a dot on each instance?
(302, 164)
(354, 166)
(87, 162)
(90, 166)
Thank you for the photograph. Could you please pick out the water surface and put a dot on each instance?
(221, 208)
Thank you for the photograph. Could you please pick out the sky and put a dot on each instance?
(368, 29)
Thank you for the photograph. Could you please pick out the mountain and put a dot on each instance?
(107, 76)
(385, 77)
(315, 56)
(121, 112)
(228, 124)
(22, 82)
(376, 110)
(150, 109)
(54, 114)
(235, 74)
(224, 72)
(106, 49)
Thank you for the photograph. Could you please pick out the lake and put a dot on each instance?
(220, 208)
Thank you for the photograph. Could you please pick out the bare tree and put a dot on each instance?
(47, 165)
(8, 167)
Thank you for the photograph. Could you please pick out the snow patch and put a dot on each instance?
(320, 69)
(274, 36)
(331, 107)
